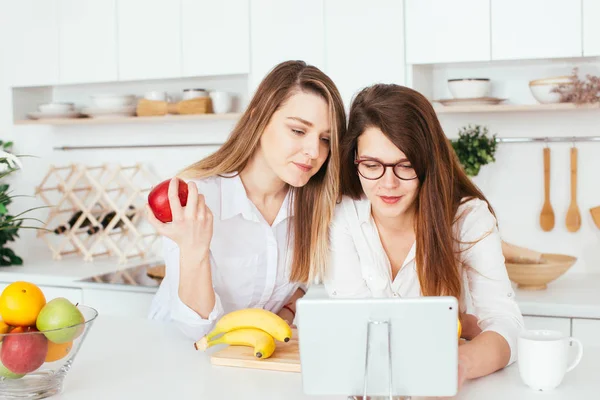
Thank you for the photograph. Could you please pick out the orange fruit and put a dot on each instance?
(4, 327)
(459, 329)
(58, 351)
(20, 303)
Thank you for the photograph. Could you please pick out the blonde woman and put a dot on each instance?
(254, 230)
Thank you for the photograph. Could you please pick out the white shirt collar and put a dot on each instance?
(235, 201)
(363, 209)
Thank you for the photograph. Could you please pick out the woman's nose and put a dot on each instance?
(389, 179)
(311, 147)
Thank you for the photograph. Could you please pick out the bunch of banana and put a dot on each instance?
(253, 327)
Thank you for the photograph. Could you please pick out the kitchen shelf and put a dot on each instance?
(512, 108)
(129, 120)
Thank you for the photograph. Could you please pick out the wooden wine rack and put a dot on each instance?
(97, 191)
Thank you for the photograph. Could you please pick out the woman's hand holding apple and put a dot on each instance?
(185, 220)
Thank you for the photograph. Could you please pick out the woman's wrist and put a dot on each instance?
(194, 256)
(287, 314)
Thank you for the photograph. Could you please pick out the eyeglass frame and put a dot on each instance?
(385, 167)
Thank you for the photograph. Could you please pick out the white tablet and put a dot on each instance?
(422, 337)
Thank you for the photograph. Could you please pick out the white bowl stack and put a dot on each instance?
(111, 105)
(541, 89)
(469, 88)
(55, 110)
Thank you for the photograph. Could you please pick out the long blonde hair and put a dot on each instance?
(313, 203)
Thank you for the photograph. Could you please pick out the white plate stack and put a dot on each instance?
(111, 106)
(55, 110)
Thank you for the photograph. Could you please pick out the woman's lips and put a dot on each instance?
(303, 167)
(390, 199)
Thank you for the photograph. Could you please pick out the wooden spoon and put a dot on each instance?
(547, 214)
(573, 216)
(595, 211)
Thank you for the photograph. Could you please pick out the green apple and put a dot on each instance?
(8, 374)
(60, 313)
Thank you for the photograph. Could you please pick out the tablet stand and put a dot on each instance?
(367, 347)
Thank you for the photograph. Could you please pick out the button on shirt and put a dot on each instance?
(250, 260)
(360, 267)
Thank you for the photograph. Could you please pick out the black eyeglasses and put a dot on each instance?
(373, 169)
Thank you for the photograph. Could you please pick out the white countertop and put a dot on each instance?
(571, 295)
(69, 272)
(124, 358)
(574, 295)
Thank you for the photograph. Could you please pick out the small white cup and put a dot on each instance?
(222, 102)
(157, 95)
(189, 94)
(543, 358)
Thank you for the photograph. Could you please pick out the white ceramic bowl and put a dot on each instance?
(469, 88)
(541, 89)
(112, 100)
(52, 108)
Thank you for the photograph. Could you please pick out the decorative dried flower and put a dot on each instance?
(580, 91)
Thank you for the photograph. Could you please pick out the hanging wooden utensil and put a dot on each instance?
(573, 219)
(547, 214)
(595, 211)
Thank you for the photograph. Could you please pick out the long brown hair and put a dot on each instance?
(313, 203)
(409, 121)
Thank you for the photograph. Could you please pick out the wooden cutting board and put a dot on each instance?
(286, 357)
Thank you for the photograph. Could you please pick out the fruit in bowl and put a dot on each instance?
(36, 356)
(60, 320)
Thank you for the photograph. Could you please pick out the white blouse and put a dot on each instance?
(249, 258)
(360, 267)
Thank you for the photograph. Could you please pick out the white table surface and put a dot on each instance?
(124, 358)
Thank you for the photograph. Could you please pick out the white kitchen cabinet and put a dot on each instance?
(87, 41)
(440, 31)
(149, 39)
(118, 302)
(284, 30)
(587, 330)
(214, 37)
(364, 43)
(30, 34)
(556, 324)
(532, 29)
(591, 28)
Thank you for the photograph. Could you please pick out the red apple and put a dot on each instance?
(24, 352)
(158, 199)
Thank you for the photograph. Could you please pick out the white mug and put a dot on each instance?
(543, 357)
(222, 102)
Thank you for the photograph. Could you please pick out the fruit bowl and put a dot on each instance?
(531, 276)
(32, 366)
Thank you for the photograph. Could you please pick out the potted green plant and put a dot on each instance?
(474, 148)
(10, 224)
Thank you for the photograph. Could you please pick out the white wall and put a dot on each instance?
(514, 183)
